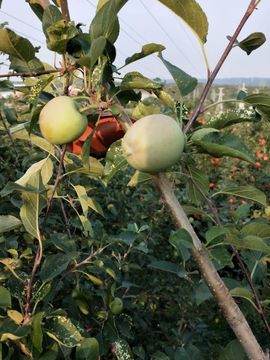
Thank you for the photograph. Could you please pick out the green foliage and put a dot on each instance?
(185, 83)
(252, 42)
(20, 50)
(91, 266)
(191, 12)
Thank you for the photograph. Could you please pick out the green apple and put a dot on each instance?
(154, 143)
(116, 306)
(61, 122)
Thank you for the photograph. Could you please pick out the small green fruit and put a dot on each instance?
(116, 306)
(154, 143)
(61, 122)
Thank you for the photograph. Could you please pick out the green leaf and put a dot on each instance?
(115, 161)
(94, 168)
(191, 210)
(159, 356)
(261, 102)
(147, 49)
(6, 85)
(82, 196)
(258, 229)
(79, 45)
(10, 115)
(19, 65)
(51, 16)
(215, 235)
(8, 223)
(185, 83)
(37, 333)
(190, 352)
(96, 50)
(122, 350)
(166, 98)
(45, 167)
(244, 294)
(35, 140)
(63, 331)
(105, 23)
(9, 330)
(198, 186)
(142, 109)
(219, 144)
(250, 242)
(199, 134)
(258, 99)
(139, 177)
(32, 205)
(169, 267)
(135, 80)
(38, 6)
(50, 355)
(88, 349)
(15, 45)
(87, 227)
(5, 298)
(202, 293)
(95, 206)
(229, 118)
(94, 279)
(247, 192)
(59, 34)
(233, 350)
(252, 42)
(181, 240)
(222, 256)
(55, 265)
(11, 187)
(193, 15)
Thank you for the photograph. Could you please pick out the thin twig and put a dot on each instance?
(65, 218)
(195, 114)
(57, 181)
(31, 74)
(9, 135)
(246, 273)
(29, 289)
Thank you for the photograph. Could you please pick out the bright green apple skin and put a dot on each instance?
(154, 143)
(61, 122)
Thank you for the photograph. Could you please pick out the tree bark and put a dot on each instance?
(230, 309)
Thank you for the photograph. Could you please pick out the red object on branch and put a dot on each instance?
(107, 131)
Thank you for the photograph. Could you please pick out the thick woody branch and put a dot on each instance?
(230, 309)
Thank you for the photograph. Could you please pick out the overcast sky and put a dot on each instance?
(144, 21)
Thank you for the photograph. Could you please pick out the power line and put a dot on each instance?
(168, 36)
(25, 23)
(21, 21)
(30, 37)
(40, 42)
(132, 38)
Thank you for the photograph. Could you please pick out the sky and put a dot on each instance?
(146, 21)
